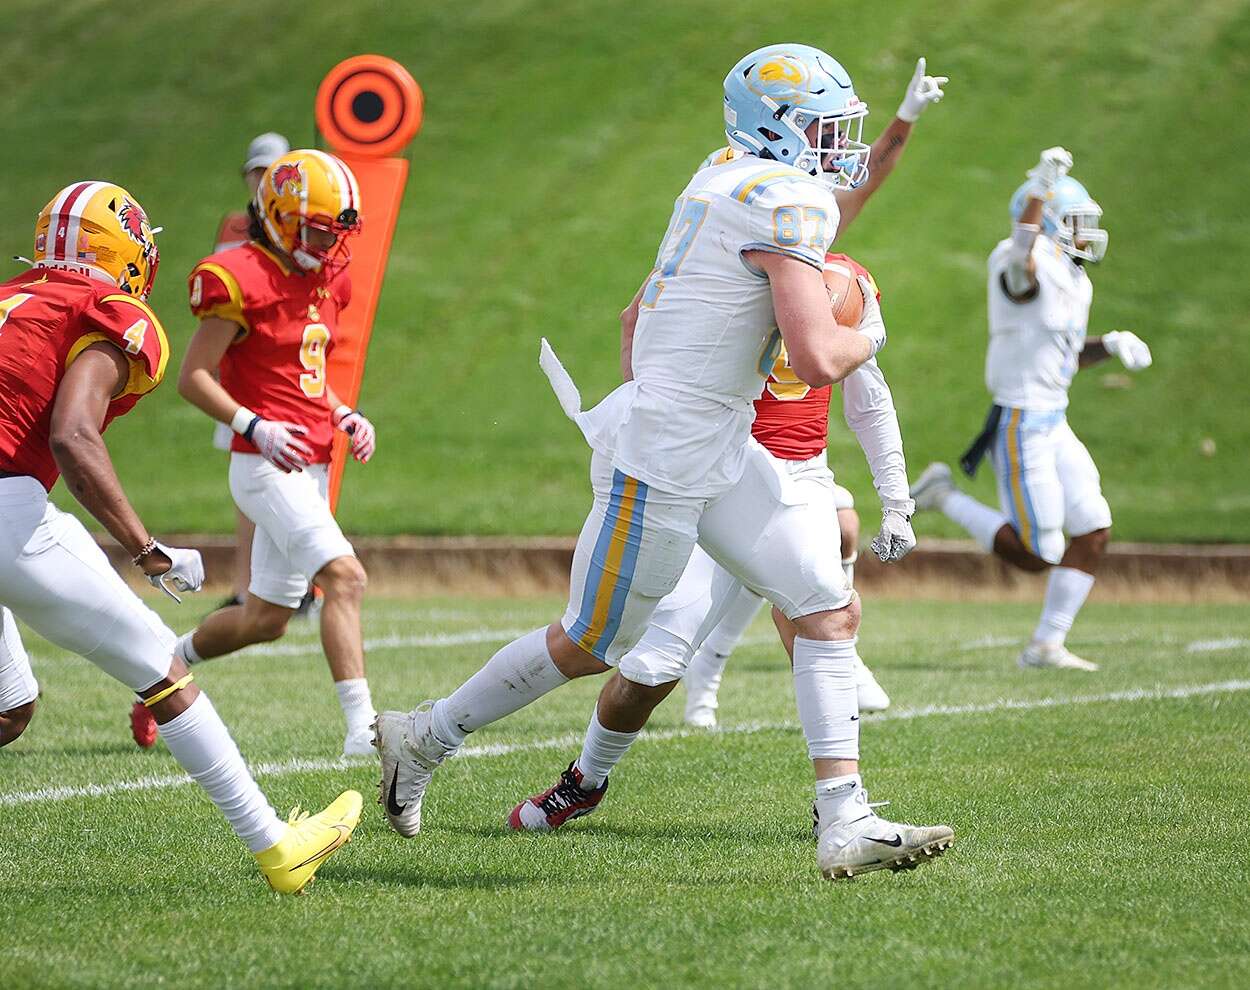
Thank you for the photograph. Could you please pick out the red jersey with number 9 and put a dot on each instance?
(276, 366)
(48, 318)
(791, 417)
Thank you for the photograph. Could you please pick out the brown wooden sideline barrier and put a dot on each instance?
(451, 565)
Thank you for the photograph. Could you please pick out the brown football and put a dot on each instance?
(844, 293)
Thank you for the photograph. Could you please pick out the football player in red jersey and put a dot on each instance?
(267, 314)
(79, 347)
(264, 150)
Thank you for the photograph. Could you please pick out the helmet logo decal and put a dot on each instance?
(778, 71)
(783, 77)
(130, 215)
(288, 174)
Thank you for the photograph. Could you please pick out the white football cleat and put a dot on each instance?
(359, 742)
(860, 842)
(1054, 655)
(872, 697)
(410, 751)
(933, 485)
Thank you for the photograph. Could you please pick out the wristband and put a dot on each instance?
(336, 417)
(242, 420)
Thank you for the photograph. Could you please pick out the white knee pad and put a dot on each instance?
(660, 657)
(1050, 545)
(1091, 513)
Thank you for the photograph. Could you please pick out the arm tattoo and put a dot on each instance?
(887, 153)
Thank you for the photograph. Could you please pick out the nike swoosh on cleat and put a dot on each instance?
(334, 843)
(393, 807)
(854, 718)
(896, 841)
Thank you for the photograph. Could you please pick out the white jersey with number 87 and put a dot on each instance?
(706, 335)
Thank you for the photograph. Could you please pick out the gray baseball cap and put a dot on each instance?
(264, 150)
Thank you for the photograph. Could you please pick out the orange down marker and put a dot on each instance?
(368, 109)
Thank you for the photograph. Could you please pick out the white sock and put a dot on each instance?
(1066, 591)
(703, 676)
(977, 518)
(520, 673)
(186, 649)
(734, 624)
(356, 703)
(848, 568)
(824, 687)
(602, 750)
(201, 744)
(833, 795)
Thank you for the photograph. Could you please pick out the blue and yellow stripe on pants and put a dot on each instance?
(1011, 453)
(611, 567)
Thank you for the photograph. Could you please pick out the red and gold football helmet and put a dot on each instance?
(98, 229)
(309, 190)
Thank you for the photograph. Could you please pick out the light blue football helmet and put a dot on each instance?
(774, 94)
(1069, 215)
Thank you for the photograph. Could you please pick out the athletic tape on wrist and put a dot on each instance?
(242, 419)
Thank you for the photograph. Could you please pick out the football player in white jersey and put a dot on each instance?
(703, 675)
(794, 433)
(1039, 299)
(737, 274)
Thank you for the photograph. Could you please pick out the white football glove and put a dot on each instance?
(896, 539)
(280, 444)
(871, 324)
(186, 571)
(354, 423)
(1129, 348)
(921, 91)
(1052, 166)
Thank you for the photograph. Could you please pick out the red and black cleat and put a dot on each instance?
(557, 805)
(142, 726)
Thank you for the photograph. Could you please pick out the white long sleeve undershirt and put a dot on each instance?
(868, 407)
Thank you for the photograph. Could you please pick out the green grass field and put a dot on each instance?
(1101, 823)
(556, 137)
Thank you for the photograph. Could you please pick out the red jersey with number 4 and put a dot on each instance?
(791, 417)
(48, 318)
(277, 364)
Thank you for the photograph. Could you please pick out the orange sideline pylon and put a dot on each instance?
(368, 109)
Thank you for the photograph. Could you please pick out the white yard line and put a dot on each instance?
(288, 767)
(312, 647)
(1215, 645)
(394, 641)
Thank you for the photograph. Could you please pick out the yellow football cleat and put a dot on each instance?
(289, 866)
